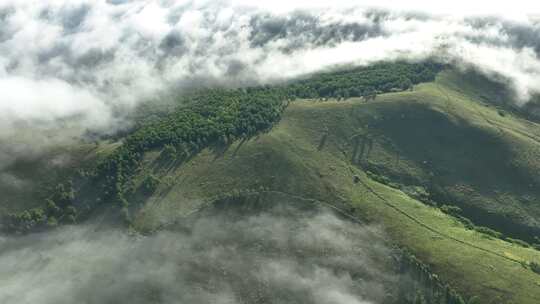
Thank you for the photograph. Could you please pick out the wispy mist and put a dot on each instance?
(276, 256)
(90, 62)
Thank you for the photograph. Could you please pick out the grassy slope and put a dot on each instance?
(484, 162)
(446, 133)
(481, 158)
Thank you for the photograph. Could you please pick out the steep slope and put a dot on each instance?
(463, 152)
(456, 149)
(405, 161)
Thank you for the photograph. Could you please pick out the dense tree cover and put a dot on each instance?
(58, 208)
(150, 183)
(219, 116)
(365, 81)
(214, 116)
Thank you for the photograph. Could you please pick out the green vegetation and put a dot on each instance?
(518, 242)
(475, 261)
(171, 153)
(150, 183)
(365, 81)
(488, 231)
(30, 181)
(535, 267)
(443, 138)
(434, 290)
(449, 178)
(421, 194)
(58, 208)
(214, 116)
(220, 117)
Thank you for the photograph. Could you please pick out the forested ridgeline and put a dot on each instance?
(365, 81)
(216, 116)
(213, 116)
(219, 116)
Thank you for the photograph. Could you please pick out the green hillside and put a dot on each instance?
(447, 168)
(434, 144)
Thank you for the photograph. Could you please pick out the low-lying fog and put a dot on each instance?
(276, 256)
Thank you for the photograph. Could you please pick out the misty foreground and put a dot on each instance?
(442, 161)
(133, 194)
(278, 253)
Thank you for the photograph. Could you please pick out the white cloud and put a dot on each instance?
(218, 258)
(47, 100)
(103, 57)
(518, 8)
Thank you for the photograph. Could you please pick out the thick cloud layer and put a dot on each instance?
(91, 61)
(278, 256)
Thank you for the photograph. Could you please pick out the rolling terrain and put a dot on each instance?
(447, 169)
(435, 144)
